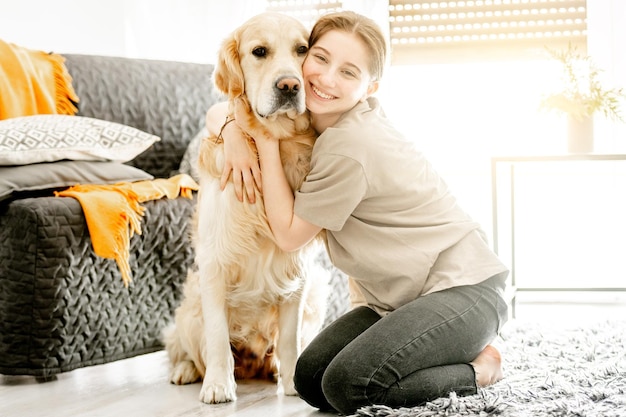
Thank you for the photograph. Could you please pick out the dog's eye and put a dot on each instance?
(302, 50)
(259, 52)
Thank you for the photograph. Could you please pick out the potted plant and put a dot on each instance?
(581, 96)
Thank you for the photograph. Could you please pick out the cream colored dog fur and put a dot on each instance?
(250, 308)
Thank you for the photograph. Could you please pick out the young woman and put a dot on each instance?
(428, 289)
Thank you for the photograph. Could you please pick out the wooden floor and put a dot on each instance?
(139, 387)
(136, 387)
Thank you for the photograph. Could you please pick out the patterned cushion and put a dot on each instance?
(48, 138)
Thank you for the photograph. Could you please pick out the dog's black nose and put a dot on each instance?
(288, 86)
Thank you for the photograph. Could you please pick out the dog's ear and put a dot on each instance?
(228, 75)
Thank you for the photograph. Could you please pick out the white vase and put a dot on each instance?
(579, 135)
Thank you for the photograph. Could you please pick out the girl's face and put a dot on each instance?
(336, 77)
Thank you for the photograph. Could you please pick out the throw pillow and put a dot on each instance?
(52, 137)
(54, 175)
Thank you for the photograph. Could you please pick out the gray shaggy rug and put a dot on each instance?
(548, 371)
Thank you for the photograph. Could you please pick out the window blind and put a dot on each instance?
(436, 31)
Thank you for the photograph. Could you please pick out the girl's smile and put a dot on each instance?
(320, 94)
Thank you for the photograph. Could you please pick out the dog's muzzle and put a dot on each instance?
(288, 96)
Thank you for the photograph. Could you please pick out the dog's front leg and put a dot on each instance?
(218, 385)
(288, 346)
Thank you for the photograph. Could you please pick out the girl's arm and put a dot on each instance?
(290, 231)
(239, 159)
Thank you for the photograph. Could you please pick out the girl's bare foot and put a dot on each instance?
(487, 366)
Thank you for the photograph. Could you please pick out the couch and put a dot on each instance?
(63, 307)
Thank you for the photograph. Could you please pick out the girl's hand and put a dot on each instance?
(240, 161)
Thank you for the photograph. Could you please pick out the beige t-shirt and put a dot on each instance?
(392, 224)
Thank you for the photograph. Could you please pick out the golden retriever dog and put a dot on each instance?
(249, 308)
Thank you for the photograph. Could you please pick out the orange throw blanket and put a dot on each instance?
(113, 212)
(34, 82)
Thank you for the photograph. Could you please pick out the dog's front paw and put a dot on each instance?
(288, 387)
(184, 372)
(214, 393)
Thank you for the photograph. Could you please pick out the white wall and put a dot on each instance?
(64, 25)
(184, 30)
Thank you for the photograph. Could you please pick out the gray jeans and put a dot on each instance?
(415, 354)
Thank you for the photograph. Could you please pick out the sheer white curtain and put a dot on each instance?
(607, 46)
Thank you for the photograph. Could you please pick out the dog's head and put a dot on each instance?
(262, 60)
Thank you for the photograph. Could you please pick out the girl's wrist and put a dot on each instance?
(229, 120)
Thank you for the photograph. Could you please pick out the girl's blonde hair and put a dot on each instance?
(363, 27)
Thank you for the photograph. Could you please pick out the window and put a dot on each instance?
(439, 31)
(436, 31)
